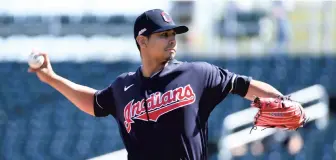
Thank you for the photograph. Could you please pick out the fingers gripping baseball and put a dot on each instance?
(44, 72)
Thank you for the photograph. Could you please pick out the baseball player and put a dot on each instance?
(162, 108)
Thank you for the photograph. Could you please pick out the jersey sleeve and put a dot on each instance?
(220, 82)
(104, 103)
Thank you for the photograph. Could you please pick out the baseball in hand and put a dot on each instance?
(35, 61)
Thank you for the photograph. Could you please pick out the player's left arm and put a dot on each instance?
(261, 89)
(219, 82)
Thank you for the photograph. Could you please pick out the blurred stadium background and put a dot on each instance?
(289, 44)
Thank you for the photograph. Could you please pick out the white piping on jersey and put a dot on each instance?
(154, 73)
(232, 82)
(98, 103)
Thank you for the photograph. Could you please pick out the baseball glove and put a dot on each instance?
(279, 112)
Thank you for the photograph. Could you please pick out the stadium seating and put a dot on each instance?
(39, 123)
(60, 25)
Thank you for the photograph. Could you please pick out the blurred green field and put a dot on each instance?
(311, 26)
(302, 17)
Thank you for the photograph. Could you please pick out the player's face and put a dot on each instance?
(162, 46)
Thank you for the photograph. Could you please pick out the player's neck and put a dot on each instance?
(149, 68)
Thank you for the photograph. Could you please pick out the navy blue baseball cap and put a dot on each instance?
(156, 20)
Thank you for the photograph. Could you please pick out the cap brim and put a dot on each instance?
(177, 29)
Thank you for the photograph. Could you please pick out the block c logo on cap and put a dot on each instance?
(166, 17)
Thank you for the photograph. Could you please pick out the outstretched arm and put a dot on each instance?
(261, 89)
(81, 96)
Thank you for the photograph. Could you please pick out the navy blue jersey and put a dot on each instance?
(165, 116)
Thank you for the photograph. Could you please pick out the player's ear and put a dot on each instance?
(142, 41)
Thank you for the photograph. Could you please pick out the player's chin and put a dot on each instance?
(168, 56)
(171, 53)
